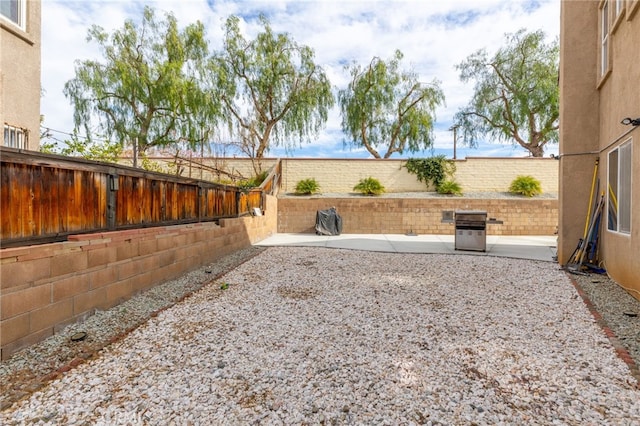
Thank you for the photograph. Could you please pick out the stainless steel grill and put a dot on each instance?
(471, 230)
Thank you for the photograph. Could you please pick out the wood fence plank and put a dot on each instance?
(45, 196)
(37, 203)
(25, 195)
(5, 199)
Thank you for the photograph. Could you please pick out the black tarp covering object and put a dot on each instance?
(328, 222)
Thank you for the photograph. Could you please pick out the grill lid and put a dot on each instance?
(470, 216)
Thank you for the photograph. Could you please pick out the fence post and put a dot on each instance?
(238, 196)
(200, 202)
(113, 185)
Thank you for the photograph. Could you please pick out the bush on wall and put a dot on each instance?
(307, 187)
(526, 185)
(436, 170)
(449, 187)
(369, 186)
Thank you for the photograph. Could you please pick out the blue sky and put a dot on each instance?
(434, 36)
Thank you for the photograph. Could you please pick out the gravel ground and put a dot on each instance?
(29, 369)
(618, 311)
(327, 336)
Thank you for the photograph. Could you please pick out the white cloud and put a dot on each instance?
(434, 36)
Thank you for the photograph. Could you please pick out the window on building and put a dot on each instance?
(16, 137)
(618, 15)
(15, 11)
(619, 194)
(604, 34)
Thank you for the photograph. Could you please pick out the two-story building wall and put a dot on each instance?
(20, 73)
(600, 120)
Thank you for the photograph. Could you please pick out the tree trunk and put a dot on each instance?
(535, 150)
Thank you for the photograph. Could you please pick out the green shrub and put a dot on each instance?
(450, 187)
(307, 187)
(525, 185)
(434, 170)
(225, 181)
(252, 182)
(369, 186)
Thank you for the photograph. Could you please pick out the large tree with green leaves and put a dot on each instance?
(386, 107)
(97, 150)
(148, 87)
(516, 93)
(273, 93)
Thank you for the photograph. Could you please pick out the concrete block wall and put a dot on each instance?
(496, 174)
(370, 215)
(46, 287)
(340, 176)
(474, 174)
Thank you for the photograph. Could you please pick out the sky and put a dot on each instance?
(434, 36)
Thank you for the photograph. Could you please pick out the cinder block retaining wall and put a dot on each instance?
(46, 287)
(366, 215)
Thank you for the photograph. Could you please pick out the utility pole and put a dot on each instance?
(455, 138)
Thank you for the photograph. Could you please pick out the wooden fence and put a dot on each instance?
(45, 198)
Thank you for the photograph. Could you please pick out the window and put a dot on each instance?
(619, 193)
(618, 15)
(15, 11)
(604, 34)
(15, 137)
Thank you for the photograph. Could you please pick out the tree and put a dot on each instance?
(386, 107)
(516, 93)
(148, 89)
(270, 88)
(75, 146)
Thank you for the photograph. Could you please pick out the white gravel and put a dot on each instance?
(312, 336)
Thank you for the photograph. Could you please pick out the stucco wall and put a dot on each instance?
(373, 215)
(20, 74)
(46, 287)
(592, 106)
(578, 136)
(619, 98)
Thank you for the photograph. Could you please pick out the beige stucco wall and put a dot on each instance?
(20, 74)
(591, 108)
(579, 125)
(620, 98)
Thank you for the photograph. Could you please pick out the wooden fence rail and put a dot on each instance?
(45, 198)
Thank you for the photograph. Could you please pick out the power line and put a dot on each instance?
(49, 135)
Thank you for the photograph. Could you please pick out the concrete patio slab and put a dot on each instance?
(536, 247)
